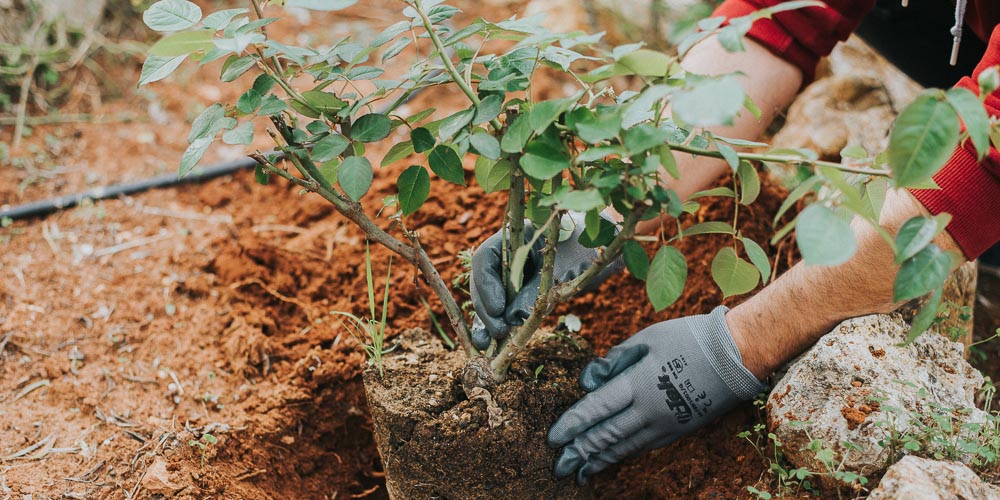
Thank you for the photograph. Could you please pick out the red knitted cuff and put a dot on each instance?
(971, 195)
(773, 37)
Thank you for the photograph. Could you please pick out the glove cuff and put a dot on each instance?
(715, 340)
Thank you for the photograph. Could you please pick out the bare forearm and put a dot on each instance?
(788, 316)
(770, 82)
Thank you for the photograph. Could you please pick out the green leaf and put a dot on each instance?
(209, 122)
(922, 139)
(397, 152)
(824, 237)
(605, 233)
(758, 257)
(710, 227)
(492, 175)
(873, 198)
(323, 102)
(801, 190)
(973, 114)
(921, 273)
(325, 5)
(355, 176)
(452, 124)
(643, 137)
(271, 105)
(729, 154)
(156, 68)
(719, 191)
(243, 134)
(444, 161)
(487, 109)
(262, 176)
(596, 127)
(249, 101)
(414, 186)
(517, 267)
(546, 112)
(395, 49)
(646, 62)
(636, 259)
(371, 127)
(712, 102)
(855, 152)
(749, 183)
(185, 42)
(389, 33)
(734, 275)
(329, 170)
(193, 154)
(219, 20)
(666, 278)
(516, 135)
(598, 153)
(580, 201)
(642, 62)
(329, 148)
(171, 15)
(668, 162)
(914, 236)
(545, 156)
(234, 67)
(923, 320)
(989, 80)
(423, 139)
(486, 145)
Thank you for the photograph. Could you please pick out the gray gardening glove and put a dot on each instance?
(487, 287)
(650, 390)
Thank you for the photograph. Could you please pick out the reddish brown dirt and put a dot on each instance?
(129, 328)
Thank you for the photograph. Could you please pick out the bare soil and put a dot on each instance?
(132, 328)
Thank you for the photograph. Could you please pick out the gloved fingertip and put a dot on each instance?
(555, 436)
(481, 338)
(594, 375)
(567, 462)
(582, 476)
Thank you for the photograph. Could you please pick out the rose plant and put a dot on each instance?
(597, 149)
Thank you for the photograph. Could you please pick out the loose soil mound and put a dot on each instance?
(437, 443)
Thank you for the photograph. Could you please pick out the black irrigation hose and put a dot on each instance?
(45, 207)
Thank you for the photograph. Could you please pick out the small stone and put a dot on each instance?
(289, 440)
(157, 479)
(914, 477)
(432, 378)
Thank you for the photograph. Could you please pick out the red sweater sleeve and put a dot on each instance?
(970, 190)
(801, 36)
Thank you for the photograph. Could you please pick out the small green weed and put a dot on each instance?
(203, 444)
(370, 333)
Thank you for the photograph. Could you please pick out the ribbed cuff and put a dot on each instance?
(773, 37)
(717, 343)
(971, 195)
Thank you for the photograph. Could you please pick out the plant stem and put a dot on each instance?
(551, 240)
(792, 160)
(562, 292)
(448, 65)
(515, 222)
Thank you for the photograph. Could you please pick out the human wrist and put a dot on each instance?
(753, 355)
(716, 340)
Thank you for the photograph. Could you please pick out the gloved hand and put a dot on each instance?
(650, 390)
(487, 288)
